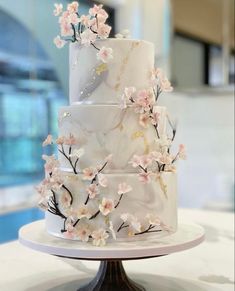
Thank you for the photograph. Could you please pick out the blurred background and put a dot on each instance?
(194, 41)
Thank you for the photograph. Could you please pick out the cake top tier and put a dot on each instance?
(100, 75)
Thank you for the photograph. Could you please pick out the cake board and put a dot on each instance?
(111, 275)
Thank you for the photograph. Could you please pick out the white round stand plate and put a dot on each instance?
(35, 236)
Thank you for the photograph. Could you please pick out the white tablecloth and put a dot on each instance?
(207, 267)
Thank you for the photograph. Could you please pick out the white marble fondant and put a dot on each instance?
(107, 129)
(131, 65)
(142, 200)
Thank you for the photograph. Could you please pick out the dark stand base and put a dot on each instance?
(111, 276)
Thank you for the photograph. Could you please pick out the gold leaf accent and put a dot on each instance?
(162, 185)
(107, 220)
(139, 134)
(101, 68)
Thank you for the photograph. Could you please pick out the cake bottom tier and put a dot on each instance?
(125, 209)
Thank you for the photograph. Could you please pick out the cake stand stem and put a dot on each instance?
(111, 276)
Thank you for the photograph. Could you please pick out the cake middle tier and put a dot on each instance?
(102, 130)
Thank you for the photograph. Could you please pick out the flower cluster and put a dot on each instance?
(151, 224)
(57, 198)
(84, 29)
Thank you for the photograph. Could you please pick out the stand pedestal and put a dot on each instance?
(111, 275)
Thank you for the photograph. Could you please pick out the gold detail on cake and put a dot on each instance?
(140, 134)
(107, 220)
(163, 186)
(121, 127)
(101, 68)
(124, 64)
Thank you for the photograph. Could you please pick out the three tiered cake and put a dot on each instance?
(115, 175)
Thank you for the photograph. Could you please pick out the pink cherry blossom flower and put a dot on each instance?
(99, 237)
(154, 155)
(73, 18)
(66, 29)
(106, 206)
(73, 7)
(145, 100)
(144, 120)
(153, 219)
(103, 31)
(51, 163)
(57, 179)
(170, 168)
(105, 54)
(144, 177)
(59, 42)
(89, 173)
(92, 191)
(133, 221)
(127, 96)
(64, 17)
(43, 204)
(71, 140)
(182, 152)
(47, 141)
(124, 188)
(85, 20)
(145, 161)
(87, 37)
(165, 158)
(60, 140)
(95, 9)
(135, 161)
(102, 180)
(165, 85)
(70, 231)
(58, 9)
(83, 212)
(65, 199)
(112, 230)
(83, 232)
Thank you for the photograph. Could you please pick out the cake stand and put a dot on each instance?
(111, 275)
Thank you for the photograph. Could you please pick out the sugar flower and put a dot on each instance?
(102, 180)
(145, 177)
(165, 85)
(103, 30)
(125, 33)
(77, 153)
(92, 191)
(85, 20)
(71, 140)
(73, 19)
(99, 237)
(89, 173)
(59, 42)
(165, 158)
(124, 188)
(83, 212)
(135, 161)
(60, 140)
(87, 37)
(70, 230)
(47, 141)
(73, 7)
(105, 54)
(106, 206)
(83, 232)
(66, 29)
(58, 9)
(65, 199)
(153, 219)
(132, 220)
(43, 204)
(143, 102)
(51, 163)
